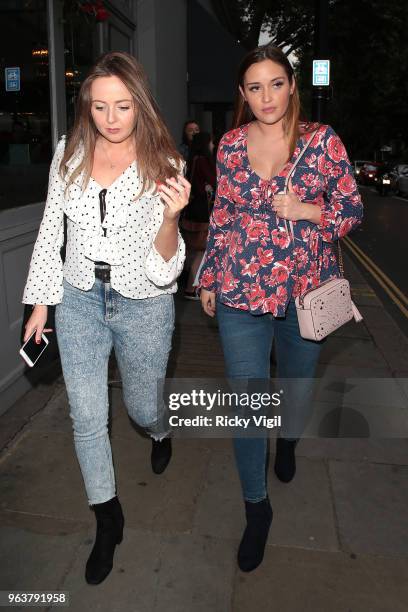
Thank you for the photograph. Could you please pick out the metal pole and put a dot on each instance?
(56, 63)
(321, 45)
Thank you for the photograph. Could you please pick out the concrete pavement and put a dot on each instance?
(339, 538)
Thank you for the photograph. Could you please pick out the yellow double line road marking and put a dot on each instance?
(382, 279)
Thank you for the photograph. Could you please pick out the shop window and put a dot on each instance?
(81, 24)
(25, 126)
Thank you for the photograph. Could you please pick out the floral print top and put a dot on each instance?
(251, 261)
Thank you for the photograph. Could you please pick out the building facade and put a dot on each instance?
(46, 49)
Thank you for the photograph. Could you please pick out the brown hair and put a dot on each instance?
(154, 145)
(242, 112)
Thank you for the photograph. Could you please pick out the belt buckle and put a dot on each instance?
(106, 276)
(103, 273)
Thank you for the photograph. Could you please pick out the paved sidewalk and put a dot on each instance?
(339, 538)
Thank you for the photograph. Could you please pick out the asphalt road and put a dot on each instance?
(383, 237)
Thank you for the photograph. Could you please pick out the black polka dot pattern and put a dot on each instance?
(138, 269)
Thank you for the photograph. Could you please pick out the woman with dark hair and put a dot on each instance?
(202, 145)
(254, 268)
(190, 128)
(117, 179)
(201, 174)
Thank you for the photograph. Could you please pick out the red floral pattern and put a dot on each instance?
(250, 260)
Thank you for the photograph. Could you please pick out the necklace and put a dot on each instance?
(113, 165)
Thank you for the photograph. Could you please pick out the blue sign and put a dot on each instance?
(321, 73)
(12, 78)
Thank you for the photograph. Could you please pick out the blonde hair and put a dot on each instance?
(157, 155)
(242, 111)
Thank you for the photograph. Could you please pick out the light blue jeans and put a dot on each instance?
(88, 325)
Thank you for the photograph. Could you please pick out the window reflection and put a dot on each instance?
(25, 129)
(80, 37)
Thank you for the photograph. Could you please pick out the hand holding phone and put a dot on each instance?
(35, 342)
(37, 322)
(31, 350)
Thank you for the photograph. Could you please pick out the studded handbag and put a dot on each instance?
(325, 308)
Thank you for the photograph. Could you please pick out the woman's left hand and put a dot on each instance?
(175, 194)
(288, 206)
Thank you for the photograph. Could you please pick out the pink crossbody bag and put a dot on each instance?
(328, 306)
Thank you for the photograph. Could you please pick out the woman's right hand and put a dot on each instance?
(36, 323)
(208, 302)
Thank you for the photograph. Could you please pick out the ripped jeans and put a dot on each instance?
(88, 325)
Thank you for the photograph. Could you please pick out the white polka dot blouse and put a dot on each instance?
(137, 268)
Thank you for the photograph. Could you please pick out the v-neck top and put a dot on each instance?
(137, 269)
(250, 261)
(116, 179)
(245, 130)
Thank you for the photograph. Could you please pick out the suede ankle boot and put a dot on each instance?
(109, 533)
(285, 461)
(251, 549)
(161, 454)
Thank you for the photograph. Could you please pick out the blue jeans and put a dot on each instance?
(247, 343)
(88, 325)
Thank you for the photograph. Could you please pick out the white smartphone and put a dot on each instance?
(31, 351)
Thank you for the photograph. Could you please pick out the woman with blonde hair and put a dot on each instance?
(255, 266)
(118, 180)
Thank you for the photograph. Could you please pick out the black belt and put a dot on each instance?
(102, 271)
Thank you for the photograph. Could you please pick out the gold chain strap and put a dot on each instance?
(340, 259)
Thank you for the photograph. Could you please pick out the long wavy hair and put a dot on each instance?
(242, 111)
(157, 155)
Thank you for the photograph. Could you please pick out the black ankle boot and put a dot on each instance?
(161, 454)
(285, 461)
(109, 532)
(251, 549)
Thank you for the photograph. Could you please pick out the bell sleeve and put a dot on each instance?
(342, 208)
(44, 282)
(220, 223)
(161, 272)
